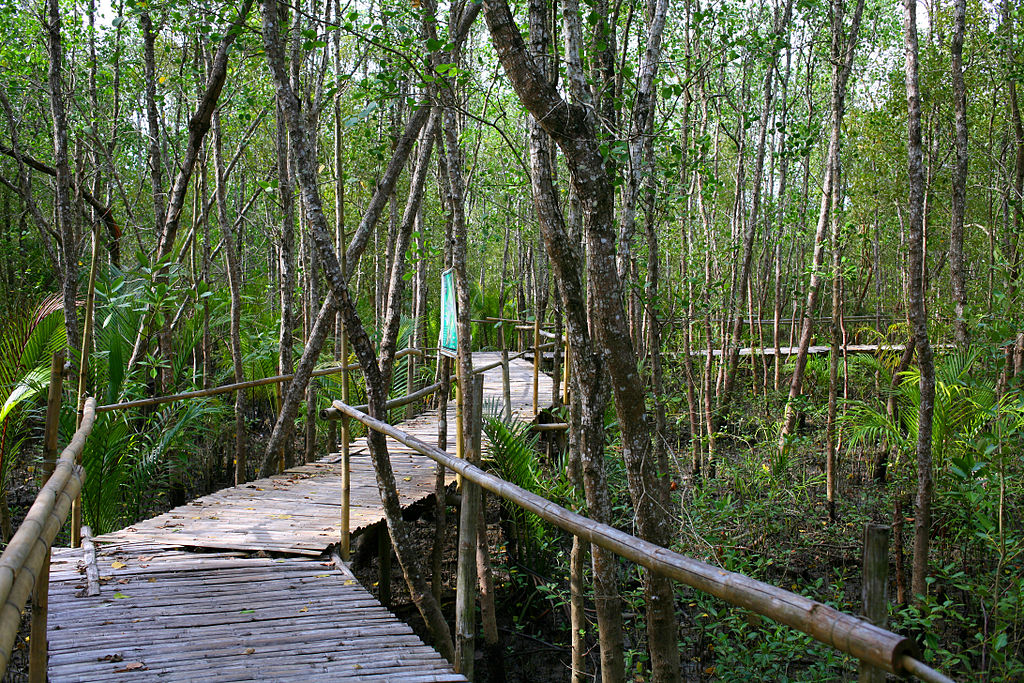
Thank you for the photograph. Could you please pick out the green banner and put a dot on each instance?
(448, 344)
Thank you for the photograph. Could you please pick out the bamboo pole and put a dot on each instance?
(536, 365)
(223, 389)
(346, 459)
(410, 382)
(874, 593)
(334, 414)
(83, 373)
(384, 565)
(466, 579)
(506, 387)
(844, 632)
(38, 646)
(22, 561)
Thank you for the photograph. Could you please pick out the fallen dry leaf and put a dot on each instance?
(131, 666)
(110, 658)
(249, 650)
(117, 564)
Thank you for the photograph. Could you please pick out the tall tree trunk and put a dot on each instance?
(959, 181)
(572, 128)
(842, 60)
(916, 309)
(235, 286)
(286, 189)
(67, 237)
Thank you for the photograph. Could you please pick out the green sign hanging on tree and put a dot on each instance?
(448, 344)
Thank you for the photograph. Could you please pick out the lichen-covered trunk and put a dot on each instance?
(916, 308)
(301, 147)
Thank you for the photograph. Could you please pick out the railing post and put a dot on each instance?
(465, 584)
(410, 382)
(506, 388)
(346, 471)
(38, 647)
(536, 364)
(874, 589)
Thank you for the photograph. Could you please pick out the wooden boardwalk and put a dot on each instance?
(239, 584)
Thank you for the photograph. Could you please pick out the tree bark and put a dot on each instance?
(67, 238)
(959, 181)
(235, 286)
(301, 147)
(573, 130)
(842, 60)
(916, 308)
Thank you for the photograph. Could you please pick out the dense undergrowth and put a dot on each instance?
(765, 515)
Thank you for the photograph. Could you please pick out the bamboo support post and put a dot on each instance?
(506, 387)
(469, 513)
(844, 632)
(410, 382)
(38, 656)
(874, 593)
(384, 565)
(346, 459)
(536, 365)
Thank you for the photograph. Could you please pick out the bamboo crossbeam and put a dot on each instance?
(550, 427)
(332, 414)
(23, 559)
(846, 633)
(238, 386)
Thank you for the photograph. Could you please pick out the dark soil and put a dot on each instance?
(533, 636)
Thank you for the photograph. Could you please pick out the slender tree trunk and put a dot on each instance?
(842, 58)
(67, 237)
(235, 286)
(959, 181)
(916, 309)
(301, 147)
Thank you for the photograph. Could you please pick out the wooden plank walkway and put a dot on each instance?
(193, 595)
(816, 350)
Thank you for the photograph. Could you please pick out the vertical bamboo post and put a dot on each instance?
(280, 402)
(346, 471)
(506, 388)
(38, 646)
(384, 564)
(536, 364)
(83, 377)
(410, 381)
(874, 589)
(465, 584)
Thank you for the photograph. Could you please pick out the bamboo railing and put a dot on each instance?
(870, 644)
(27, 556)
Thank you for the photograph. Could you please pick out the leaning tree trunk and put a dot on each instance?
(572, 127)
(916, 309)
(306, 167)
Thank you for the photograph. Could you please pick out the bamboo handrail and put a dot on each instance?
(844, 632)
(333, 414)
(237, 386)
(23, 559)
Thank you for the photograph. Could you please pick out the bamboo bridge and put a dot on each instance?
(248, 583)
